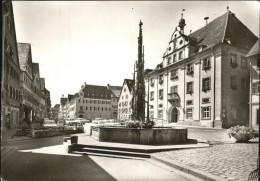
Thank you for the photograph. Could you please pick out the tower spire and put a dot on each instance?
(139, 89)
(182, 22)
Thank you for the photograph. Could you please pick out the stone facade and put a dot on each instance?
(202, 80)
(125, 100)
(92, 102)
(10, 87)
(254, 61)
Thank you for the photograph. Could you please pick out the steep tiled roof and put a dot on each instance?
(146, 71)
(23, 53)
(211, 34)
(130, 84)
(226, 27)
(56, 106)
(96, 92)
(116, 90)
(254, 50)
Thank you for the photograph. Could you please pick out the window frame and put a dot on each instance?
(205, 81)
(189, 115)
(204, 111)
(189, 91)
(161, 94)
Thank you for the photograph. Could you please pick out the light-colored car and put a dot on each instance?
(47, 123)
(74, 125)
(82, 120)
(98, 121)
(61, 123)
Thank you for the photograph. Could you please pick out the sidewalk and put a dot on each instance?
(233, 161)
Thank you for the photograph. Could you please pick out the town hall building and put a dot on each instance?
(203, 77)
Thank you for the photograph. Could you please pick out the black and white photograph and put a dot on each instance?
(130, 90)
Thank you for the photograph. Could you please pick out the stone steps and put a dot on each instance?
(107, 151)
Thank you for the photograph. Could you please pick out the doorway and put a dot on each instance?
(174, 115)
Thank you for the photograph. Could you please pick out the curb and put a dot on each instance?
(9, 141)
(197, 127)
(187, 169)
(9, 150)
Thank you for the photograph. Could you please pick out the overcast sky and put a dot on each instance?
(96, 42)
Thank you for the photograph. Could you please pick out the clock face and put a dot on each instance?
(81, 94)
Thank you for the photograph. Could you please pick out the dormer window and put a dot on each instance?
(170, 48)
(181, 42)
(180, 55)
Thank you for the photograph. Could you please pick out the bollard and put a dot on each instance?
(67, 144)
(74, 140)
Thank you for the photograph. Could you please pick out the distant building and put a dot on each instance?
(26, 77)
(54, 112)
(203, 77)
(45, 98)
(10, 78)
(125, 100)
(63, 108)
(115, 93)
(39, 105)
(254, 65)
(92, 101)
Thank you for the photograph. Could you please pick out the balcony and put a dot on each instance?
(174, 99)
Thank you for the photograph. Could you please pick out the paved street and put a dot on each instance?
(225, 158)
(45, 159)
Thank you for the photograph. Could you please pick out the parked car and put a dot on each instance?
(74, 125)
(82, 120)
(61, 123)
(98, 121)
(47, 123)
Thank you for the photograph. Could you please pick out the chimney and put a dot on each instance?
(206, 19)
(82, 86)
(108, 86)
(62, 95)
(85, 83)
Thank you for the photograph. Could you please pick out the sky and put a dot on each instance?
(96, 41)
